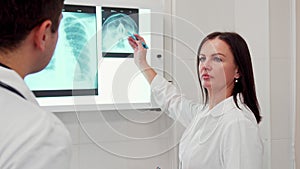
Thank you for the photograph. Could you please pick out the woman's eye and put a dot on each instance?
(217, 59)
(202, 59)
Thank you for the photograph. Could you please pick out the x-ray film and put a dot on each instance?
(72, 70)
(117, 25)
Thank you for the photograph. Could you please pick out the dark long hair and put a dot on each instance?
(245, 85)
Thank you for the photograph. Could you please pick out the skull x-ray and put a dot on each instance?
(73, 67)
(117, 25)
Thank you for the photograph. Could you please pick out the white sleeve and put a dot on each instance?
(171, 101)
(241, 146)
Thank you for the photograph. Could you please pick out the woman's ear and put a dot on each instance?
(237, 73)
(41, 34)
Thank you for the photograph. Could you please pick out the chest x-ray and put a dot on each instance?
(117, 25)
(73, 68)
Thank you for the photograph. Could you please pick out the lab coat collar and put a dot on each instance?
(13, 79)
(224, 106)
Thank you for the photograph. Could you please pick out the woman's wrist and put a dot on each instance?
(146, 69)
(142, 64)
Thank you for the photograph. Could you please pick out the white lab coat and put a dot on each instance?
(224, 137)
(30, 138)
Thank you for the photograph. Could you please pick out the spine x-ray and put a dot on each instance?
(117, 25)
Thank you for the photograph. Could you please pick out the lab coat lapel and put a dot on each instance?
(11, 78)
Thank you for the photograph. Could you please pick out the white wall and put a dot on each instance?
(282, 81)
(125, 139)
(135, 139)
(297, 121)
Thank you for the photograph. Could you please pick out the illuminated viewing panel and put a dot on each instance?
(93, 66)
(73, 68)
(117, 25)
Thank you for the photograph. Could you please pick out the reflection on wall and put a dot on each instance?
(117, 25)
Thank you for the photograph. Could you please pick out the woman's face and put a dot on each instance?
(217, 67)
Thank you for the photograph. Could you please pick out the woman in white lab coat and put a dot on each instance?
(223, 132)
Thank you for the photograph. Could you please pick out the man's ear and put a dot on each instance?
(42, 33)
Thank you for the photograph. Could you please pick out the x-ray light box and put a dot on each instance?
(92, 66)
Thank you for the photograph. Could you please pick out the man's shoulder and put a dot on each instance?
(18, 115)
(25, 127)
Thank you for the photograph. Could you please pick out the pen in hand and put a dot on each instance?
(143, 43)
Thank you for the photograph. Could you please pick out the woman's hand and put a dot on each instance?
(140, 60)
(139, 51)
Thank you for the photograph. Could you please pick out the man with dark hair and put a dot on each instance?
(30, 138)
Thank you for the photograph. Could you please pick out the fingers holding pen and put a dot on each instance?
(140, 49)
(132, 43)
(137, 41)
(139, 38)
(140, 45)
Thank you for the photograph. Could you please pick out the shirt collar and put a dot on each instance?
(3, 65)
(223, 107)
(13, 79)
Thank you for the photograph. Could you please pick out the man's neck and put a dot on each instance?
(12, 62)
